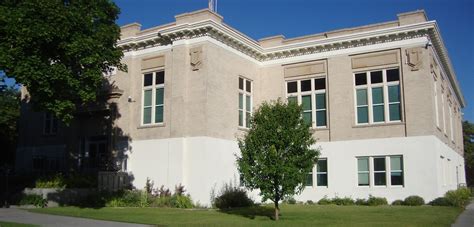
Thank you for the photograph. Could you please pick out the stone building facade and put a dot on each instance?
(383, 101)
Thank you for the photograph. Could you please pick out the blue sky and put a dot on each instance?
(291, 18)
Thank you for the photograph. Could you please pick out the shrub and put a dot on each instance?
(291, 200)
(413, 200)
(397, 202)
(71, 181)
(310, 202)
(459, 197)
(127, 198)
(33, 199)
(346, 201)
(231, 196)
(376, 201)
(440, 201)
(361, 202)
(56, 181)
(324, 201)
(181, 201)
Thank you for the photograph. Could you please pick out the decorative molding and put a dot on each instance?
(238, 41)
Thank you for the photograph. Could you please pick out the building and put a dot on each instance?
(383, 100)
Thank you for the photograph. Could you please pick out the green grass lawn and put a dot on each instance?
(291, 215)
(11, 224)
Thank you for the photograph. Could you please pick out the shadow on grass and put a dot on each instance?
(251, 212)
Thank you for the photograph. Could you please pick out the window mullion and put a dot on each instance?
(388, 171)
(313, 104)
(153, 97)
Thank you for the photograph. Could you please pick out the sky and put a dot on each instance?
(291, 18)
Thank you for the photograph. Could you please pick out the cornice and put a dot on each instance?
(244, 44)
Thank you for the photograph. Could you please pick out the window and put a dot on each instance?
(436, 103)
(309, 179)
(396, 170)
(377, 96)
(311, 95)
(451, 128)
(363, 171)
(443, 111)
(322, 172)
(50, 124)
(379, 171)
(384, 170)
(153, 97)
(245, 102)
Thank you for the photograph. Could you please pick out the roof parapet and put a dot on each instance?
(271, 41)
(200, 15)
(412, 17)
(129, 30)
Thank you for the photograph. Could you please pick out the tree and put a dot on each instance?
(59, 49)
(276, 153)
(9, 114)
(468, 136)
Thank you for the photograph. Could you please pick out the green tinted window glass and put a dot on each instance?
(363, 179)
(379, 164)
(363, 164)
(159, 96)
(241, 101)
(395, 112)
(309, 179)
(377, 95)
(292, 99)
(361, 97)
(396, 163)
(321, 101)
(241, 118)
(307, 117)
(147, 98)
(380, 179)
(248, 103)
(321, 118)
(322, 179)
(396, 178)
(306, 102)
(362, 114)
(322, 166)
(147, 115)
(159, 114)
(394, 93)
(379, 113)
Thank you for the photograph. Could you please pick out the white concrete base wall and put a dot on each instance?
(422, 169)
(204, 163)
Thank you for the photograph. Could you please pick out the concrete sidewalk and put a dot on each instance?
(23, 216)
(466, 219)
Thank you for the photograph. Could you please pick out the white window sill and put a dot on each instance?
(243, 129)
(378, 124)
(155, 125)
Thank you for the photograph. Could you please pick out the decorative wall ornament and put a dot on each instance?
(414, 58)
(196, 58)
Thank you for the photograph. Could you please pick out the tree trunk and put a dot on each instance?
(277, 211)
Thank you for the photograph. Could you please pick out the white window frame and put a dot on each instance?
(388, 166)
(326, 173)
(244, 94)
(451, 127)
(388, 171)
(369, 88)
(52, 119)
(372, 159)
(153, 88)
(443, 104)
(312, 93)
(435, 87)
